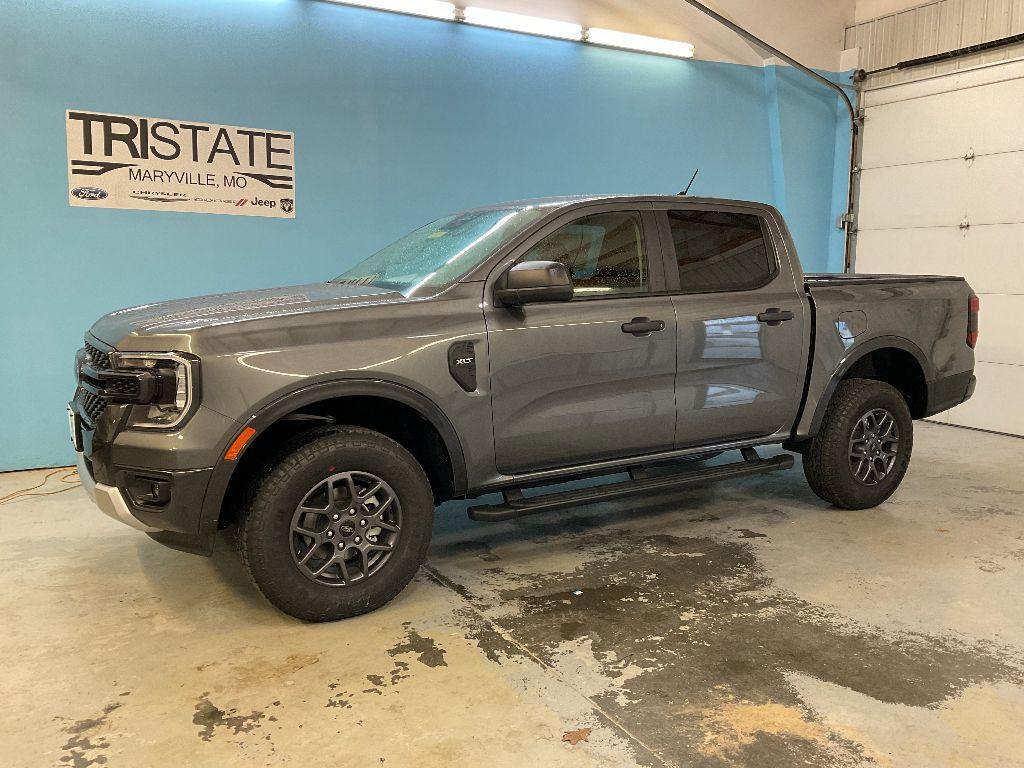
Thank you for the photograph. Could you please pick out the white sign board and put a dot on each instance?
(153, 164)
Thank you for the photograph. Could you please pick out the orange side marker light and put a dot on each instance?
(240, 442)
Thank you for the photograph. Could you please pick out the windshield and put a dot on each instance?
(440, 253)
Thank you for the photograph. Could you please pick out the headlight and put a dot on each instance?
(161, 387)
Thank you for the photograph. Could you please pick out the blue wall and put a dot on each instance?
(397, 121)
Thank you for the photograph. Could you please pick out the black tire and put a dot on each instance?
(267, 538)
(831, 468)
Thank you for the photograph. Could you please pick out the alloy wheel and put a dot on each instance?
(874, 446)
(345, 528)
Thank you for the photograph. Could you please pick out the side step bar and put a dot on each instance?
(517, 505)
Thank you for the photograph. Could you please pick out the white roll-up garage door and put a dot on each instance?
(942, 192)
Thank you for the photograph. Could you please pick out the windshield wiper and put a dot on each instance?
(388, 285)
(369, 280)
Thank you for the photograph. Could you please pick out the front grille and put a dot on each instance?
(97, 357)
(92, 406)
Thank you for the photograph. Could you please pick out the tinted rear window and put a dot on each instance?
(720, 251)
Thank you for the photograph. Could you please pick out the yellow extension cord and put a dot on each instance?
(70, 478)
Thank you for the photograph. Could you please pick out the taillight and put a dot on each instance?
(973, 307)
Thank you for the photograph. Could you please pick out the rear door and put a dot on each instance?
(570, 381)
(740, 324)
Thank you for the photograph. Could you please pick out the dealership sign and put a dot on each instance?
(153, 164)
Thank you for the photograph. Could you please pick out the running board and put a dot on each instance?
(517, 505)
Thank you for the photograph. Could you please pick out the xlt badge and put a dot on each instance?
(462, 364)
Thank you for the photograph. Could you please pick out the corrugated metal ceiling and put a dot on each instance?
(936, 27)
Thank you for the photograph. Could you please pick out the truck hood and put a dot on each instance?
(184, 316)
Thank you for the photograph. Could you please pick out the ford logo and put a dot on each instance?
(89, 193)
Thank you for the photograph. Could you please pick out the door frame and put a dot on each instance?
(651, 232)
(773, 237)
(656, 288)
(786, 272)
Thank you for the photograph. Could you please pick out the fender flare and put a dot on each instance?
(271, 412)
(857, 353)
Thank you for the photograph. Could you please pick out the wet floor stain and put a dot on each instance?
(495, 646)
(341, 698)
(707, 518)
(210, 718)
(426, 651)
(746, 533)
(413, 647)
(84, 747)
(692, 644)
(378, 683)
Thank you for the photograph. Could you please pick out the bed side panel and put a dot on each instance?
(926, 318)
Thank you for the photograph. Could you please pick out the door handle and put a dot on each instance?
(643, 326)
(774, 316)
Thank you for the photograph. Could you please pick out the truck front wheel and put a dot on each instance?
(338, 526)
(862, 450)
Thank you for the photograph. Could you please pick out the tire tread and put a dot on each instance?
(826, 464)
(269, 482)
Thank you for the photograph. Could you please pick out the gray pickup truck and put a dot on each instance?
(498, 349)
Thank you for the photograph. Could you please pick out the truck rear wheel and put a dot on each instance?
(862, 450)
(338, 526)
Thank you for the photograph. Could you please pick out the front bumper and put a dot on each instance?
(109, 499)
(154, 480)
(136, 477)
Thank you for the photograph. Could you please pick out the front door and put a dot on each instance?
(741, 327)
(585, 380)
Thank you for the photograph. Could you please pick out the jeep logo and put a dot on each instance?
(89, 193)
(264, 203)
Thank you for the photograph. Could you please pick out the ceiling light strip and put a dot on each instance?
(517, 22)
(530, 25)
(612, 39)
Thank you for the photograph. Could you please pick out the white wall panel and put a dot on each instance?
(944, 193)
(999, 322)
(946, 125)
(996, 405)
(901, 196)
(991, 258)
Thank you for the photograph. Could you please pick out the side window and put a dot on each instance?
(720, 251)
(604, 253)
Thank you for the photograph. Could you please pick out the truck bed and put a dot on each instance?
(924, 316)
(821, 279)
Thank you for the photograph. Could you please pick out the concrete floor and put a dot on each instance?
(744, 624)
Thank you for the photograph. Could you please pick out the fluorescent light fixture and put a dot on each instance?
(530, 25)
(435, 9)
(614, 39)
(517, 22)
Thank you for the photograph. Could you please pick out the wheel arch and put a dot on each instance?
(312, 403)
(884, 358)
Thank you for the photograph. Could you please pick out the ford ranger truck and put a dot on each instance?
(500, 349)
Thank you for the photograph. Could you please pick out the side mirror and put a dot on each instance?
(530, 282)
